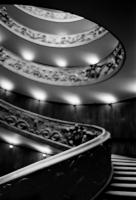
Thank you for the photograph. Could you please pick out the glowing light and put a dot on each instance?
(74, 100)
(45, 150)
(6, 84)
(107, 98)
(92, 59)
(13, 140)
(39, 95)
(27, 55)
(11, 146)
(61, 62)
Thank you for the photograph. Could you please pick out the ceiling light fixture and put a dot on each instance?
(27, 55)
(11, 146)
(107, 98)
(74, 100)
(6, 85)
(44, 155)
(91, 59)
(39, 95)
(61, 62)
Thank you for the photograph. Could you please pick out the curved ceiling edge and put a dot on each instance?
(50, 15)
(64, 76)
(49, 39)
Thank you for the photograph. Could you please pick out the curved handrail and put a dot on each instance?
(56, 158)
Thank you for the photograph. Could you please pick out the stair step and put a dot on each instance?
(124, 178)
(124, 185)
(124, 168)
(125, 172)
(120, 156)
(126, 163)
(123, 160)
(121, 193)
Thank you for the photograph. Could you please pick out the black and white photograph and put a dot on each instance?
(68, 100)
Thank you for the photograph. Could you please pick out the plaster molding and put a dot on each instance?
(50, 40)
(49, 14)
(70, 76)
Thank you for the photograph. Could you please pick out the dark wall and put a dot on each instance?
(119, 118)
(15, 158)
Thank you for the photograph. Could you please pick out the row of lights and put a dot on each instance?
(16, 141)
(90, 59)
(71, 99)
(11, 146)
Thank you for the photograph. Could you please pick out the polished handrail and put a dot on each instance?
(56, 158)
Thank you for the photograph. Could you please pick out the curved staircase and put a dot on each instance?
(123, 183)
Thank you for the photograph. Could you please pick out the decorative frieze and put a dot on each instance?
(48, 14)
(64, 76)
(49, 39)
(56, 130)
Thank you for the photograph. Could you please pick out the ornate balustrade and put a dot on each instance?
(80, 172)
(49, 39)
(68, 76)
(66, 133)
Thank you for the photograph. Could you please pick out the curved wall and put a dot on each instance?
(118, 118)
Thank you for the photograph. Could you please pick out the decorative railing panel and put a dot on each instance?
(66, 133)
(49, 39)
(68, 76)
(48, 14)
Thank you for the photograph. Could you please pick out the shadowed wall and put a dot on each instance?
(118, 118)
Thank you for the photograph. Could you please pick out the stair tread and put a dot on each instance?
(128, 185)
(121, 193)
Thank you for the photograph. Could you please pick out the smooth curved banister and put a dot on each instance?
(56, 158)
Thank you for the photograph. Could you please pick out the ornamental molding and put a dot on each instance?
(66, 133)
(49, 14)
(50, 40)
(72, 76)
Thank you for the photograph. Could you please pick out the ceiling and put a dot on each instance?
(119, 19)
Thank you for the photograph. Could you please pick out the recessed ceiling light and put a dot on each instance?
(6, 85)
(39, 95)
(74, 100)
(107, 98)
(45, 150)
(44, 154)
(27, 55)
(61, 62)
(12, 140)
(91, 59)
(11, 146)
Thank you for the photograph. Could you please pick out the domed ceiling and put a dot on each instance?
(58, 56)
